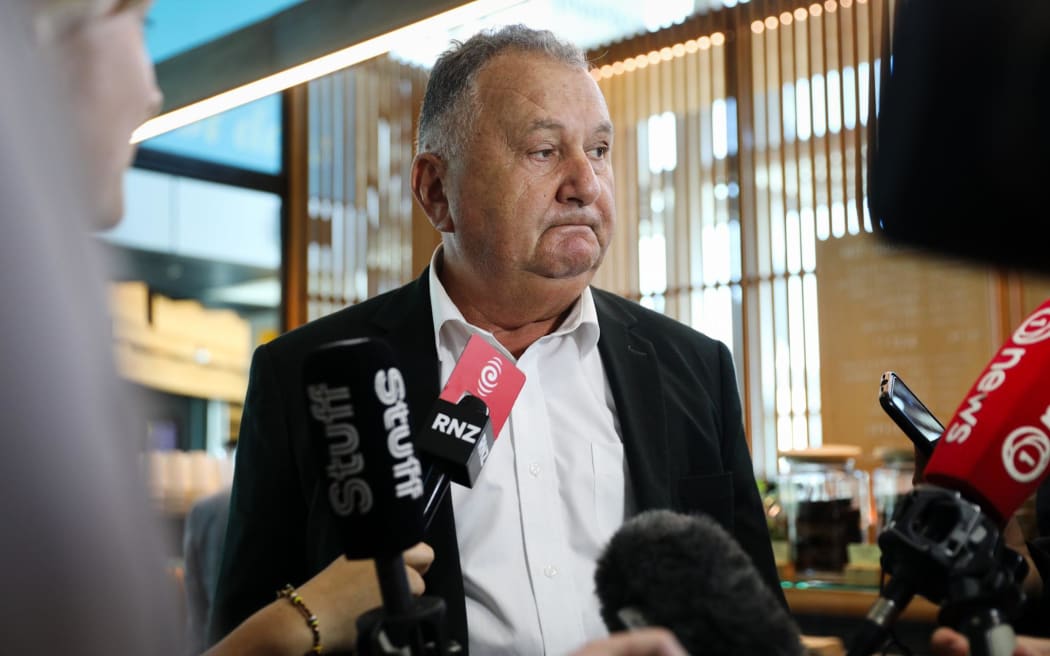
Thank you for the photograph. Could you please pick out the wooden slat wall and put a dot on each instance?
(362, 224)
(751, 193)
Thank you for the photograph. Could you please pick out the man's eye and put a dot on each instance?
(546, 153)
(600, 152)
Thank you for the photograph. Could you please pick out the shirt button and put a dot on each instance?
(534, 469)
(550, 571)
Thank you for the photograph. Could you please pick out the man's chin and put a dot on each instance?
(573, 269)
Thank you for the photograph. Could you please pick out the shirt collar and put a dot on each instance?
(452, 331)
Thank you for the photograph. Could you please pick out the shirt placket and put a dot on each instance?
(543, 525)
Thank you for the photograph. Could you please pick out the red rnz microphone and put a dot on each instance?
(996, 448)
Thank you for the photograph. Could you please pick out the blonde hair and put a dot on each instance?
(53, 19)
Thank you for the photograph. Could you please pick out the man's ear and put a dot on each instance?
(428, 187)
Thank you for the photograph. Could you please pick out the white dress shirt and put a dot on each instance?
(551, 494)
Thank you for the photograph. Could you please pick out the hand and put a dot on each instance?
(347, 588)
(642, 642)
(946, 642)
(338, 595)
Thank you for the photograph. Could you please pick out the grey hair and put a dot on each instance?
(449, 104)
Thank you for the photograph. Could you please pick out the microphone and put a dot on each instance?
(362, 440)
(996, 448)
(466, 420)
(944, 541)
(687, 574)
(457, 438)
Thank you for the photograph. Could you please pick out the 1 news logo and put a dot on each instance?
(1026, 450)
(1035, 328)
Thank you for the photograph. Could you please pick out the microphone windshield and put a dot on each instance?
(687, 574)
(362, 442)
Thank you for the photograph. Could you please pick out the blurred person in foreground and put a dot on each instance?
(81, 551)
(623, 409)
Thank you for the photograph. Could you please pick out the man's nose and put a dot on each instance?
(580, 184)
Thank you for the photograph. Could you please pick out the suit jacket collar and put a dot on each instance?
(634, 376)
(628, 357)
(400, 318)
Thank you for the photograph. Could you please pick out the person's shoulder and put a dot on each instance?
(354, 320)
(652, 324)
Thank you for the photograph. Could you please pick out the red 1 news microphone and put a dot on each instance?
(944, 542)
(362, 439)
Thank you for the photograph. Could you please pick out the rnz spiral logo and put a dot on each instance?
(488, 380)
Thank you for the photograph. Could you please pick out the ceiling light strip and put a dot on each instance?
(316, 68)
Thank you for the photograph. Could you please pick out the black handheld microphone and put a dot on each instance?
(457, 439)
(687, 574)
(362, 438)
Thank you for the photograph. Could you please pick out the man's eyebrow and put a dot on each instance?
(605, 127)
(545, 124)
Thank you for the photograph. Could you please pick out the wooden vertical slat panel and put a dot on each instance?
(338, 192)
(601, 277)
(633, 90)
(294, 210)
(836, 100)
(424, 237)
(361, 231)
(870, 23)
(707, 214)
(762, 91)
(720, 165)
(389, 252)
(314, 200)
(615, 268)
(678, 82)
(821, 150)
(366, 178)
(747, 162)
(690, 162)
(613, 274)
(348, 173)
(324, 241)
(848, 55)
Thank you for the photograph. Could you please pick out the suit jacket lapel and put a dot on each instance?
(405, 319)
(401, 318)
(634, 377)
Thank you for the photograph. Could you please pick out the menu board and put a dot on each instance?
(881, 307)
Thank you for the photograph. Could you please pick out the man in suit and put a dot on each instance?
(623, 409)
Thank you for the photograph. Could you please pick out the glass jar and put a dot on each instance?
(889, 482)
(826, 500)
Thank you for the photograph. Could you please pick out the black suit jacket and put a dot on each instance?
(676, 397)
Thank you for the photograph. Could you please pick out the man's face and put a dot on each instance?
(114, 90)
(532, 194)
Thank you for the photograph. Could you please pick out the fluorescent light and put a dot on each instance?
(316, 68)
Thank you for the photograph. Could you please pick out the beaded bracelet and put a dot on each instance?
(289, 593)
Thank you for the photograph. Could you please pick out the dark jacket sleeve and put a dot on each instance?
(265, 536)
(749, 521)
